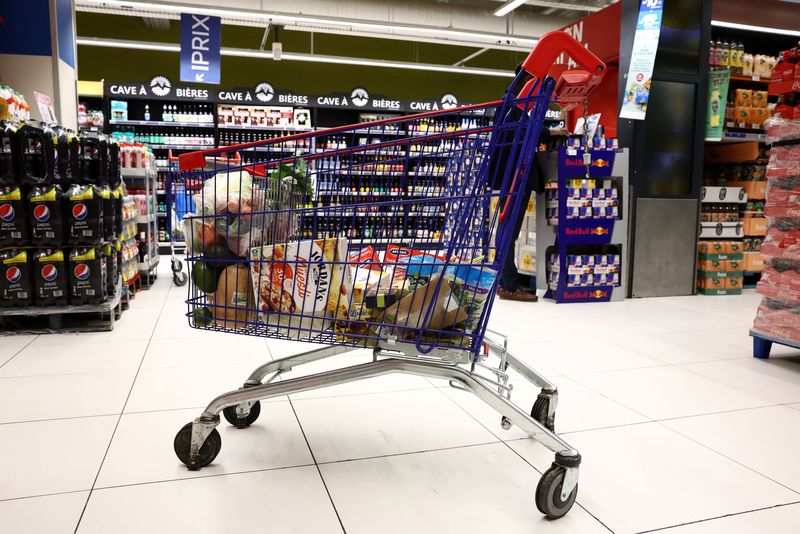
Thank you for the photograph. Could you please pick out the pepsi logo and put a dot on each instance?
(13, 274)
(80, 211)
(81, 271)
(7, 212)
(41, 212)
(49, 273)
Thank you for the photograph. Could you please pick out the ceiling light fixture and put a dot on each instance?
(135, 8)
(748, 27)
(508, 7)
(290, 56)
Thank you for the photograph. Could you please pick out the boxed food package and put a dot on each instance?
(526, 259)
(417, 265)
(711, 265)
(760, 99)
(733, 283)
(298, 284)
(744, 98)
(741, 114)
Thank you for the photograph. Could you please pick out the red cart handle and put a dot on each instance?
(572, 86)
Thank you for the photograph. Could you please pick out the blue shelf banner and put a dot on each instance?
(201, 39)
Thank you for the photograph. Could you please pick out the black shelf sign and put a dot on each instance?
(263, 93)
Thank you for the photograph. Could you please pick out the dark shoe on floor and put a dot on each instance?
(518, 295)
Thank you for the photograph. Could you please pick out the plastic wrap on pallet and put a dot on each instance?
(778, 318)
(780, 129)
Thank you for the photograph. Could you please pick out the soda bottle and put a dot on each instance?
(13, 224)
(15, 279)
(87, 276)
(36, 154)
(44, 203)
(119, 196)
(50, 277)
(83, 207)
(8, 161)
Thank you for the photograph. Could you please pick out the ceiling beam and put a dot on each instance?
(293, 56)
(448, 25)
(469, 57)
(511, 5)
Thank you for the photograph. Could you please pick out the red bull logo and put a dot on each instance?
(41, 212)
(600, 162)
(80, 211)
(599, 231)
(598, 294)
(49, 273)
(7, 212)
(81, 271)
(13, 274)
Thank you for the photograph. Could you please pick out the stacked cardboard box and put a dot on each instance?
(720, 267)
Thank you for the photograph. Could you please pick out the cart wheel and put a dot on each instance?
(548, 493)
(505, 423)
(180, 278)
(209, 450)
(242, 422)
(540, 410)
(177, 266)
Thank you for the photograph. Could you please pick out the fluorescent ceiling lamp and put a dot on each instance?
(508, 7)
(135, 7)
(748, 27)
(511, 5)
(290, 56)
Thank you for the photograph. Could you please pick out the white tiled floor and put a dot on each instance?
(680, 429)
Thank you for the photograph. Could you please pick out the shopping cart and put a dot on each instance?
(388, 235)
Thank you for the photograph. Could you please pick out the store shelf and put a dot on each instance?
(265, 128)
(144, 219)
(720, 230)
(148, 266)
(723, 195)
(749, 79)
(369, 131)
(336, 172)
(738, 137)
(133, 172)
(179, 147)
(162, 123)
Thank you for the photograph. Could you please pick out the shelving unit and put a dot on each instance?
(143, 181)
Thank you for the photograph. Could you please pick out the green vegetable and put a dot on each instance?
(204, 277)
(297, 173)
(202, 317)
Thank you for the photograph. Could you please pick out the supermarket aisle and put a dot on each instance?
(677, 424)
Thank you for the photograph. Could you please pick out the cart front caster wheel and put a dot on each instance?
(177, 266)
(209, 450)
(540, 411)
(242, 422)
(180, 278)
(505, 423)
(548, 493)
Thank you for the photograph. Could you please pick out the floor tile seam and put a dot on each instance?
(68, 418)
(199, 476)
(19, 351)
(733, 460)
(316, 466)
(733, 514)
(122, 411)
(724, 383)
(53, 494)
(409, 453)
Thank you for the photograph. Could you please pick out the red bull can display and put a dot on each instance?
(50, 278)
(15, 279)
(87, 276)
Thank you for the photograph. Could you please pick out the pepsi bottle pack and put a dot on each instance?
(13, 224)
(83, 206)
(50, 277)
(47, 215)
(15, 279)
(87, 276)
(110, 253)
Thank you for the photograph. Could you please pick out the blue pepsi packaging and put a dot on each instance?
(50, 277)
(15, 279)
(45, 206)
(87, 276)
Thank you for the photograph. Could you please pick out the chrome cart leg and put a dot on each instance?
(245, 414)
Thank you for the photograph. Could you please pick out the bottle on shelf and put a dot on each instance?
(147, 112)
